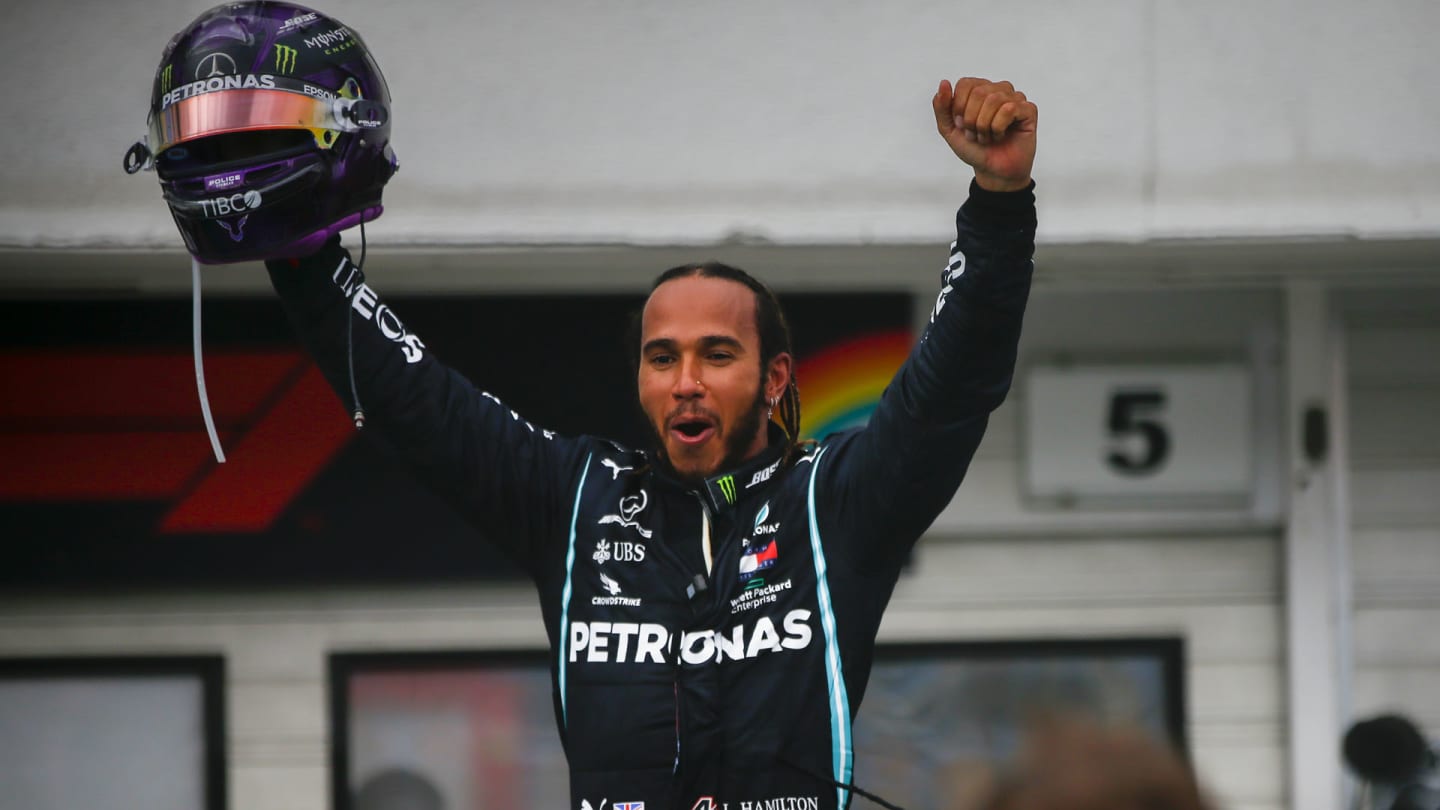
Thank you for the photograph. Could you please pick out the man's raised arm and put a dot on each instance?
(896, 475)
(504, 473)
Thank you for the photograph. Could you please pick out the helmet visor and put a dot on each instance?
(242, 110)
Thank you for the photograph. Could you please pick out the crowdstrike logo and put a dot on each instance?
(615, 597)
(610, 585)
(648, 642)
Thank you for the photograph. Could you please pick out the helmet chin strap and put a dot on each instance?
(199, 360)
(199, 354)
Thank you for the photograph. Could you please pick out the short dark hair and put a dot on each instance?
(771, 325)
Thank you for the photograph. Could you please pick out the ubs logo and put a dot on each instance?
(619, 551)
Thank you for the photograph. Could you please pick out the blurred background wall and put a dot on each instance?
(1251, 186)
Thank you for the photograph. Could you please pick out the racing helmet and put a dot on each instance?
(269, 128)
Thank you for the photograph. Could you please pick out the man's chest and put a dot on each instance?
(663, 575)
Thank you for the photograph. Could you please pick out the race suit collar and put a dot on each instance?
(725, 489)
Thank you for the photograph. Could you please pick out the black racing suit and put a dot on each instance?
(709, 646)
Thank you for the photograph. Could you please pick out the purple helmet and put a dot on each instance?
(270, 131)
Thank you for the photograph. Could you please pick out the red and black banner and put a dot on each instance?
(107, 477)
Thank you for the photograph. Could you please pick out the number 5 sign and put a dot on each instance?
(1121, 432)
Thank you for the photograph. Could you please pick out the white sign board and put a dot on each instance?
(1171, 433)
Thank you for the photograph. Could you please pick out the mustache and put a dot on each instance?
(691, 411)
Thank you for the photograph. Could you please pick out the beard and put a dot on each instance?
(737, 440)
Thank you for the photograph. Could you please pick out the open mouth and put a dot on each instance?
(691, 429)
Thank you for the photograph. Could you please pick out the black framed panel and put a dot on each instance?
(109, 728)
(936, 715)
(444, 729)
(456, 728)
(109, 479)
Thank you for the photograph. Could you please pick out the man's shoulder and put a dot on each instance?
(828, 446)
(612, 456)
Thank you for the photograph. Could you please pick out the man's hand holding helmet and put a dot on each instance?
(269, 128)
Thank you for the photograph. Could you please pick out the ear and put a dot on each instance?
(778, 375)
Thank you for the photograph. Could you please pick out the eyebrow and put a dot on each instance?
(706, 342)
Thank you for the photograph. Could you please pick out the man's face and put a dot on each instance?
(700, 379)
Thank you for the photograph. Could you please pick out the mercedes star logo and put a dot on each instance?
(215, 65)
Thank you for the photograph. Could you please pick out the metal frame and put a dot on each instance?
(342, 666)
(208, 669)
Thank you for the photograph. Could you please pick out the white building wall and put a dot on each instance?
(1394, 387)
(797, 122)
(275, 646)
(999, 566)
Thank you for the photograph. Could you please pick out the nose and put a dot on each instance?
(689, 384)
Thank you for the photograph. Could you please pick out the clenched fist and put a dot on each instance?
(991, 126)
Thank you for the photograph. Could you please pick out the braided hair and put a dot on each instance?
(774, 334)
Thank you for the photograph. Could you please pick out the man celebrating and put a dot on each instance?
(712, 604)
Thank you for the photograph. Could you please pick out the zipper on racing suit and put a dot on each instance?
(699, 584)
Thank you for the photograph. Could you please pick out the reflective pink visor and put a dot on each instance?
(246, 109)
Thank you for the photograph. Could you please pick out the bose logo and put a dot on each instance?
(764, 475)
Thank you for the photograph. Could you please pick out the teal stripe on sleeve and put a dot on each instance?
(564, 644)
(842, 752)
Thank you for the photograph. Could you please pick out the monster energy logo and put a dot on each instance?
(284, 58)
(727, 488)
(165, 75)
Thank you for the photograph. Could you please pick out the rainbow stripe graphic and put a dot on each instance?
(841, 384)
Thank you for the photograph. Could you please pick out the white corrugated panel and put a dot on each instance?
(997, 566)
(1394, 389)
